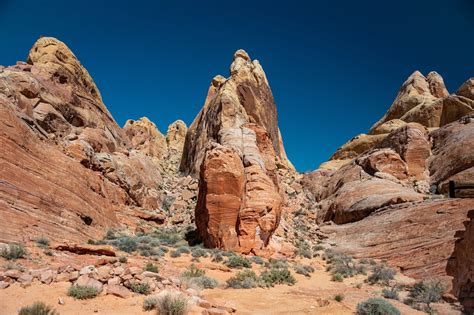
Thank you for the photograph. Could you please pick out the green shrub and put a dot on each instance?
(304, 270)
(13, 251)
(257, 260)
(381, 274)
(228, 254)
(183, 250)
(168, 236)
(172, 304)
(238, 262)
(123, 259)
(376, 306)
(48, 252)
(126, 244)
(110, 235)
(199, 252)
(140, 287)
(217, 257)
(193, 272)
(38, 308)
(427, 292)
(204, 282)
(150, 303)
(337, 277)
(175, 254)
(90, 242)
(273, 276)
(151, 267)
(276, 263)
(244, 279)
(42, 241)
(82, 292)
(339, 297)
(318, 247)
(303, 249)
(391, 293)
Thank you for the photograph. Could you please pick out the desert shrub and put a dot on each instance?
(90, 242)
(13, 251)
(217, 257)
(276, 263)
(342, 264)
(151, 267)
(238, 262)
(381, 274)
(339, 297)
(48, 252)
(318, 247)
(183, 250)
(125, 243)
(38, 308)
(193, 272)
(304, 270)
(150, 303)
(427, 292)
(204, 282)
(122, 259)
(199, 252)
(376, 306)
(391, 292)
(303, 249)
(140, 287)
(273, 276)
(228, 254)
(82, 292)
(169, 236)
(42, 241)
(257, 260)
(244, 279)
(337, 277)
(110, 235)
(175, 254)
(172, 304)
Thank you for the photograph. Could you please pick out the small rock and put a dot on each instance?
(166, 282)
(87, 269)
(118, 290)
(60, 301)
(63, 277)
(203, 303)
(114, 281)
(149, 274)
(214, 311)
(4, 285)
(12, 273)
(135, 270)
(104, 272)
(25, 279)
(47, 277)
(73, 276)
(118, 271)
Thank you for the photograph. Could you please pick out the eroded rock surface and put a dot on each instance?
(235, 143)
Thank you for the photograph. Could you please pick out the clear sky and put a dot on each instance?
(334, 66)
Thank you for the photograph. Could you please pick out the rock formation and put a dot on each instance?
(68, 170)
(235, 145)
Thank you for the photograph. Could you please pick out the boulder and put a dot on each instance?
(119, 290)
(85, 249)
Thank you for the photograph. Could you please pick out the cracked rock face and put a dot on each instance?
(235, 146)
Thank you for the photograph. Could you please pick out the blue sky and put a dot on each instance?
(334, 66)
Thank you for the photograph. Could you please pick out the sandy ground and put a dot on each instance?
(313, 295)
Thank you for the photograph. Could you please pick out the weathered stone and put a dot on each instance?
(118, 290)
(85, 249)
(47, 277)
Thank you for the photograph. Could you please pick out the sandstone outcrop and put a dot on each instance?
(460, 265)
(68, 170)
(417, 238)
(235, 144)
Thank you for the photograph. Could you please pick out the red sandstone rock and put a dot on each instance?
(85, 249)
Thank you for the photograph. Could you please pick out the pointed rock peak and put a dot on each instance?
(436, 84)
(177, 125)
(241, 54)
(467, 89)
(49, 50)
(143, 123)
(176, 135)
(218, 80)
